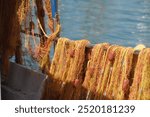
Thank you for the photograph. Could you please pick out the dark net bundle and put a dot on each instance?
(12, 14)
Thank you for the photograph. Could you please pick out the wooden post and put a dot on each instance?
(9, 32)
(18, 53)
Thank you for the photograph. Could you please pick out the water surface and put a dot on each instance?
(123, 22)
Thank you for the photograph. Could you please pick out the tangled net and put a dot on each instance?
(31, 15)
(104, 72)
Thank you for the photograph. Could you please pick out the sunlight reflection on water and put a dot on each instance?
(115, 21)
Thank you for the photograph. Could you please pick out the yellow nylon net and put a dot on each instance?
(38, 43)
(140, 88)
(67, 66)
(105, 72)
(108, 70)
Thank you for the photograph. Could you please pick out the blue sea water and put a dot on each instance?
(123, 22)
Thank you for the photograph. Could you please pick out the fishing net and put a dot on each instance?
(94, 68)
(67, 67)
(140, 88)
(35, 17)
(108, 70)
(10, 19)
(76, 72)
(107, 75)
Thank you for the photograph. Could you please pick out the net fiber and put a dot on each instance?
(105, 72)
(67, 66)
(140, 88)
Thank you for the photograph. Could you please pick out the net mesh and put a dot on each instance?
(34, 17)
(75, 72)
(140, 88)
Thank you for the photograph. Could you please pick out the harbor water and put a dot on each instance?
(123, 22)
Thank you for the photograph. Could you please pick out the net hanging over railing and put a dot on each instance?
(104, 71)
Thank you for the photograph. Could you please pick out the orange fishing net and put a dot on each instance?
(108, 70)
(94, 68)
(39, 46)
(140, 88)
(105, 74)
(67, 66)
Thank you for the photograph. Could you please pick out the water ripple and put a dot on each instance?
(115, 21)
